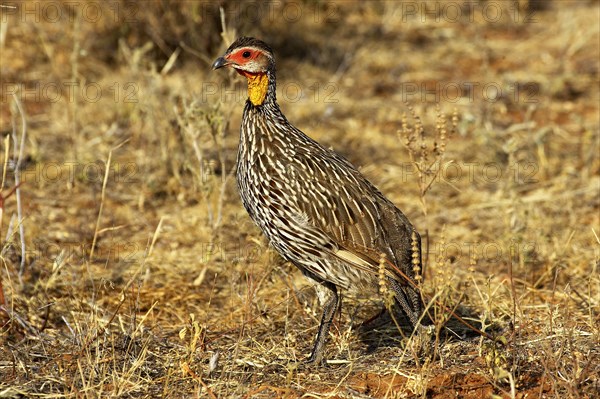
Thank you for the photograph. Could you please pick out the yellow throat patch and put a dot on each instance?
(257, 87)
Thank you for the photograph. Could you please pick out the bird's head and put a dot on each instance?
(253, 59)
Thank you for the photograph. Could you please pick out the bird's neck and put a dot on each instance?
(261, 87)
(263, 124)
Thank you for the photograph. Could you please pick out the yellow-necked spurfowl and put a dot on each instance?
(317, 210)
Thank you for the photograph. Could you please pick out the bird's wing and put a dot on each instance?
(344, 205)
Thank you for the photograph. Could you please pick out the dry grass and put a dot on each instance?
(130, 268)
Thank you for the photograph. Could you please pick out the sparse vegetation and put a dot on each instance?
(129, 267)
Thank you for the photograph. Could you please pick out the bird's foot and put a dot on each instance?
(315, 360)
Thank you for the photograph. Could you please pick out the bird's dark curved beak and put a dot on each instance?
(220, 63)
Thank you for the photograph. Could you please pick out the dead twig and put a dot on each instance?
(20, 150)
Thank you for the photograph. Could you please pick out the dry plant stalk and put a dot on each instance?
(416, 258)
(20, 150)
(201, 125)
(427, 157)
(97, 230)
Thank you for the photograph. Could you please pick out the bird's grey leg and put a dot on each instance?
(331, 305)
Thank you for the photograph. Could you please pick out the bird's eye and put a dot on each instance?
(246, 54)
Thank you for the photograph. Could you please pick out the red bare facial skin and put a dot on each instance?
(247, 61)
(238, 56)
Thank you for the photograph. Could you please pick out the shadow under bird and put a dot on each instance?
(317, 210)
